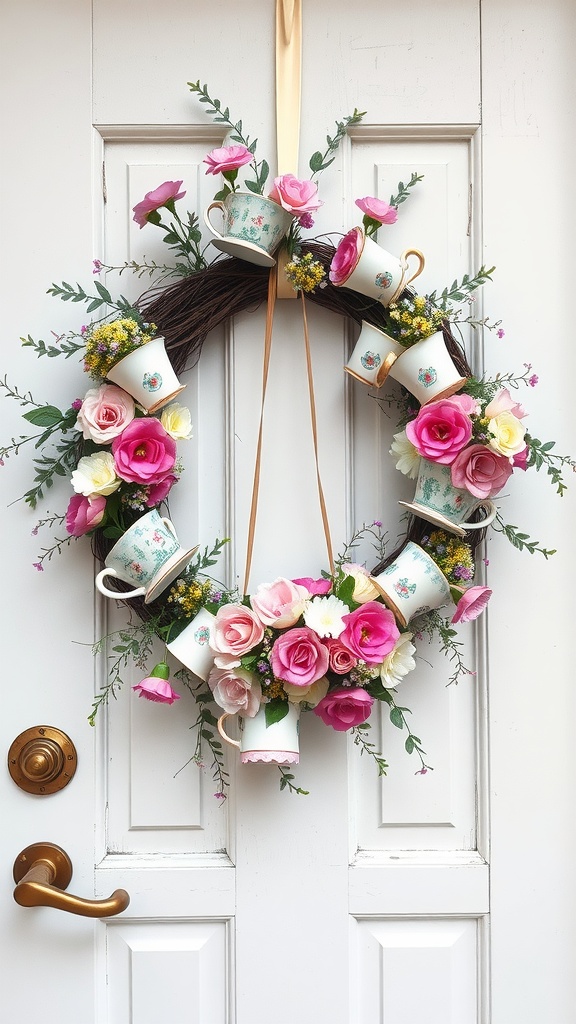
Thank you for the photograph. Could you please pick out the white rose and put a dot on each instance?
(177, 422)
(311, 695)
(95, 474)
(364, 589)
(507, 434)
(399, 662)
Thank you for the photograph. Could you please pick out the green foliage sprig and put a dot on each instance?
(459, 291)
(236, 133)
(320, 161)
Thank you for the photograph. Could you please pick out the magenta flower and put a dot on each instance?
(440, 431)
(471, 604)
(84, 514)
(144, 453)
(314, 586)
(520, 460)
(344, 709)
(158, 493)
(481, 471)
(533, 380)
(165, 195)
(227, 158)
(156, 686)
(377, 209)
(299, 657)
(370, 632)
(346, 257)
(500, 333)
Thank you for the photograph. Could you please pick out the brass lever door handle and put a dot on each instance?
(42, 871)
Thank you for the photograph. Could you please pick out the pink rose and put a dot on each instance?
(160, 491)
(503, 402)
(166, 194)
(237, 630)
(469, 405)
(280, 603)
(144, 453)
(370, 632)
(104, 413)
(343, 709)
(440, 430)
(156, 686)
(227, 158)
(299, 657)
(376, 209)
(481, 471)
(236, 690)
(340, 659)
(346, 256)
(314, 586)
(84, 514)
(296, 196)
(520, 460)
(471, 604)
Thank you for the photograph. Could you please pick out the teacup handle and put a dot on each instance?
(216, 205)
(119, 596)
(224, 735)
(421, 263)
(491, 510)
(384, 370)
(170, 527)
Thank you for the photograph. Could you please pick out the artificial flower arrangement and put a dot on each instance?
(331, 645)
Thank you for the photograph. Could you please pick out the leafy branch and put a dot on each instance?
(134, 645)
(459, 291)
(205, 725)
(404, 189)
(65, 345)
(541, 455)
(361, 741)
(69, 293)
(521, 541)
(435, 625)
(222, 116)
(286, 782)
(320, 161)
(374, 531)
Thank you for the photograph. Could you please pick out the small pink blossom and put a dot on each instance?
(158, 493)
(294, 195)
(165, 195)
(481, 471)
(471, 604)
(343, 709)
(520, 460)
(440, 431)
(156, 686)
(533, 380)
(38, 566)
(84, 513)
(97, 266)
(76, 404)
(144, 453)
(370, 632)
(227, 158)
(299, 657)
(500, 333)
(503, 402)
(377, 209)
(314, 586)
(346, 256)
(306, 220)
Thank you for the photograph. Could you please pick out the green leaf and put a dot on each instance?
(45, 416)
(275, 711)
(397, 718)
(316, 162)
(103, 291)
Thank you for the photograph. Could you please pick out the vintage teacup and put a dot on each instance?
(426, 370)
(253, 228)
(148, 554)
(437, 501)
(373, 356)
(377, 273)
(412, 584)
(147, 374)
(192, 645)
(269, 744)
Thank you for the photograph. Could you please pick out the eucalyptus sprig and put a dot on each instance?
(134, 646)
(359, 732)
(320, 161)
(404, 189)
(541, 454)
(459, 291)
(206, 732)
(521, 541)
(70, 293)
(441, 629)
(64, 346)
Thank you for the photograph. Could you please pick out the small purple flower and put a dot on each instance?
(38, 566)
(220, 796)
(306, 220)
(1, 462)
(77, 404)
(376, 523)
(486, 561)
(421, 771)
(101, 347)
(83, 329)
(500, 333)
(97, 266)
(533, 380)
(262, 667)
(528, 366)
(35, 531)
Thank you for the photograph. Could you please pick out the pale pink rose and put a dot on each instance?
(469, 405)
(236, 690)
(340, 659)
(370, 632)
(237, 629)
(481, 471)
(346, 256)
(166, 194)
(280, 603)
(503, 402)
(299, 657)
(157, 689)
(471, 604)
(104, 413)
(441, 430)
(227, 158)
(314, 586)
(294, 195)
(160, 491)
(344, 709)
(520, 460)
(377, 209)
(84, 514)
(144, 453)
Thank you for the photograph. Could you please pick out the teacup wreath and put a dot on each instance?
(337, 644)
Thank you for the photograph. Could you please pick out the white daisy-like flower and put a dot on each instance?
(324, 615)
(408, 458)
(399, 662)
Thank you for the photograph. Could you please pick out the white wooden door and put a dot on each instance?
(367, 900)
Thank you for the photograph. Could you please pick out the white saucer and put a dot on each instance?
(172, 569)
(436, 518)
(244, 251)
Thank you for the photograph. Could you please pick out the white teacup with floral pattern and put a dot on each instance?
(427, 371)
(412, 584)
(192, 645)
(268, 744)
(148, 554)
(373, 355)
(253, 228)
(437, 501)
(363, 265)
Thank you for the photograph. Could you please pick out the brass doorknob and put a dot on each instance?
(43, 870)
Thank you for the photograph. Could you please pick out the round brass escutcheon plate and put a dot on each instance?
(42, 760)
